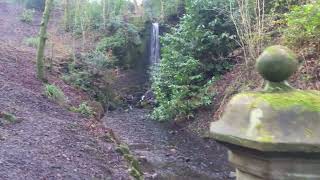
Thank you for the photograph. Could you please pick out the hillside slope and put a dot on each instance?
(46, 141)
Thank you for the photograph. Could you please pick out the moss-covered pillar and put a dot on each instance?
(273, 134)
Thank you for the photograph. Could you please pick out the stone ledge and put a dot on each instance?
(255, 120)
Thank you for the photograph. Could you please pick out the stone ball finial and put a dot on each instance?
(277, 63)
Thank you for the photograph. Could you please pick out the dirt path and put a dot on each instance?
(168, 152)
(47, 142)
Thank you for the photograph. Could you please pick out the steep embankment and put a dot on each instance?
(45, 141)
(242, 78)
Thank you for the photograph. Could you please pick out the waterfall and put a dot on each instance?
(155, 45)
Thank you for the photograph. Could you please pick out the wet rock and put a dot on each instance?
(232, 174)
(151, 176)
(148, 99)
(173, 151)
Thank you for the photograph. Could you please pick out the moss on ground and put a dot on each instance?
(8, 117)
(310, 100)
(134, 165)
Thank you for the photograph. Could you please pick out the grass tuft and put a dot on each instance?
(54, 93)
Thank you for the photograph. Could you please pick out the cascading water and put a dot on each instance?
(155, 45)
(154, 59)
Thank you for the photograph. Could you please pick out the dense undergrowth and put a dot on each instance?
(119, 43)
(303, 24)
(194, 55)
(196, 51)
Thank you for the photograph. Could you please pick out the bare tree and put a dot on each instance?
(43, 39)
(249, 20)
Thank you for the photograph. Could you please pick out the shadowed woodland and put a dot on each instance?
(126, 89)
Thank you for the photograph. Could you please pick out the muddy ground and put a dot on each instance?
(167, 151)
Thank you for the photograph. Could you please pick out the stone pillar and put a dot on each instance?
(273, 134)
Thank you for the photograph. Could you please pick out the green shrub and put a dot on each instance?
(54, 93)
(83, 109)
(178, 91)
(193, 55)
(303, 24)
(27, 15)
(115, 43)
(92, 74)
(120, 43)
(31, 41)
(97, 85)
(281, 6)
(100, 61)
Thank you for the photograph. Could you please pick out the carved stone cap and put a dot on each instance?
(279, 119)
(277, 63)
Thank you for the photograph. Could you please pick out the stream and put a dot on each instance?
(166, 151)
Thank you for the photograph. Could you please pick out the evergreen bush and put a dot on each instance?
(194, 54)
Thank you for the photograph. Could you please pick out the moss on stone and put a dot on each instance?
(309, 100)
(135, 173)
(278, 49)
(135, 170)
(123, 149)
(265, 136)
(277, 63)
(278, 87)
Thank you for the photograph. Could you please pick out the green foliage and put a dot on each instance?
(32, 41)
(54, 93)
(10, 118)
(135, 169)
(177, 91)
(27, 15)
(93, 15)
(303, 24)
(92, 74)
(90, 15)
(83, 16)
(157, 9)
(100, 61)
(83, 109)
(123, 38)
(193, 55)
(114, 44)
(280, 6)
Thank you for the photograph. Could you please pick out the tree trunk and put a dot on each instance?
(104, 13)
(43, 38)
(136, 7)
(162, 10)
(67, 16)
